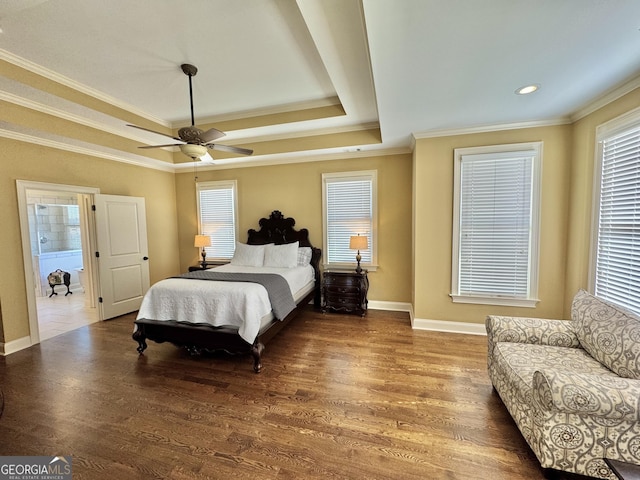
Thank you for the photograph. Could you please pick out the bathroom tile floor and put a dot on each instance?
(60, 314)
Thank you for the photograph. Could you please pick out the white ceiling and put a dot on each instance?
(421, 67)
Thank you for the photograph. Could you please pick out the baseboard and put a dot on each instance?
(433, 325)
(448, 326)
(391, 306)
(14, 345)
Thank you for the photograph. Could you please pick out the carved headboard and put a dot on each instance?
(279, 230)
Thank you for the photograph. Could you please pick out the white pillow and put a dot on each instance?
(304, 256)
(283, 256)
(248, 255)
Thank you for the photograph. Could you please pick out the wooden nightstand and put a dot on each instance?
(345, 292)
(217, 263)
(623, 470)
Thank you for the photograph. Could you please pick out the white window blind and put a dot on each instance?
(495, 250)
(349, 202)
(617, 272)
(217, 217)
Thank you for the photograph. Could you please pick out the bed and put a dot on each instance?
(206, 311)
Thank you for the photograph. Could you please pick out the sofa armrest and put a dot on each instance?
(539, 331)
(597, 395)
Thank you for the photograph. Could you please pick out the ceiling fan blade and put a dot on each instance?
(211, 135)
(160, 146)
(229, 148)
(206, 158)
(152, 131)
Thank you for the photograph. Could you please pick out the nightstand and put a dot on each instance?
(623, 470)
(217, 263)
(345, 292)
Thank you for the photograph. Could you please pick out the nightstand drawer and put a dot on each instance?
(342, 280)
(343, 298)
(329, 288)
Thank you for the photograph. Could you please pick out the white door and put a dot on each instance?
(122, 254)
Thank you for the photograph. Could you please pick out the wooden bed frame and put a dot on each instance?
(202, 338)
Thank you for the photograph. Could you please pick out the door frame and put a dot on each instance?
(22, 187)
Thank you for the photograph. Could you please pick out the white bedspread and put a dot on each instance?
(240, 304)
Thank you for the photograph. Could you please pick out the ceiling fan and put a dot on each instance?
(194, 141)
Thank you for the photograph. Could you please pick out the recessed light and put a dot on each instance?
(527, 89)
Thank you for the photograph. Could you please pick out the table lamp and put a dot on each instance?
(202, 241)
(356, 242)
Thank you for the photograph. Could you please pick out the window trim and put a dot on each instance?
(371, 175)
(627, 121)
(211, 185)
(535, 150)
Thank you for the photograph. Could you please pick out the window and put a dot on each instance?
(217, 217)
(495, 229)
(349, 201)
(615, 266)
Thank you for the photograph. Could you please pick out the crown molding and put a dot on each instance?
(139, 162)
(285, 159)
(489, 128)
(72, 117)
(308, 133)
(261, 112)
(607, 98)
(66, 81)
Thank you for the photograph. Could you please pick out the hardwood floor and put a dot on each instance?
(340, 397)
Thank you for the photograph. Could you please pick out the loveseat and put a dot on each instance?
(572, 387)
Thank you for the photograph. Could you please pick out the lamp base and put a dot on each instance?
(358, 258)
(204, 258)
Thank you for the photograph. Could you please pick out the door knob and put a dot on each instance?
(145, 258)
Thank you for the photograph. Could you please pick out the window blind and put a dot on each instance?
(617, 273)
(349, 211)
(495, 225)
(217, 218)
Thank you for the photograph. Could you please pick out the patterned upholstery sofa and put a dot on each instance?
(572, 387)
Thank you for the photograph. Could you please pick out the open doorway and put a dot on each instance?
(56, 235)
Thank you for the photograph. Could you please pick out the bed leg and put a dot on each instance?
(256, 353)
(139, 337)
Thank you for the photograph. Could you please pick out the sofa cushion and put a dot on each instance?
(610, 334)
(517, 363)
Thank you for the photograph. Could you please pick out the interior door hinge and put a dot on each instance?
(93, 207)
(99, 299)
(97, 254)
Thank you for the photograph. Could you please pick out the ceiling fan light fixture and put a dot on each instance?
(196, 141)
(193, 151)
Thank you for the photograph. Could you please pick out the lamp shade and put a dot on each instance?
(202, 241)
(357, 242)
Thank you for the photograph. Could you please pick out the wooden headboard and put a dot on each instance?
(279, 230)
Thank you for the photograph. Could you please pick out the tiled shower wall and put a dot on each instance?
(54, 223)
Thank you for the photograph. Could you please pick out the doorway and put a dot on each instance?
(57, 235)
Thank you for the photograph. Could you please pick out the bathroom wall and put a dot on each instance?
(54, 221)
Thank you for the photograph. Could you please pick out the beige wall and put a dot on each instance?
(415, 213)
(23, 161)
(296, 190)
(433, 203)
